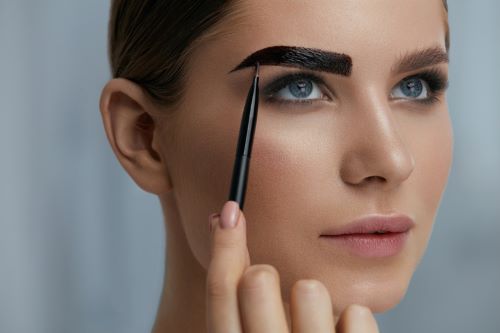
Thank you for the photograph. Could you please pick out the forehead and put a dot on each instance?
(367, 30)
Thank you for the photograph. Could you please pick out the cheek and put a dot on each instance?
(280, 169)
(434, 155)
(203, 152)
(284, 152)
(292, 192)
(431, 142)
(291, 155)
(438, 164)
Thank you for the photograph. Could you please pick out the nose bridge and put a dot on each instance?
(378, 152)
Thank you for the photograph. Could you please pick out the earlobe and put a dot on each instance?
(131, 130)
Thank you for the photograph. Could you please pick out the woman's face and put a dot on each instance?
(372, 146)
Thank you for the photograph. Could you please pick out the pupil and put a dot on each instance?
(412, 87)
(300, 88)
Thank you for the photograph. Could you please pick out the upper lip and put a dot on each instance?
(371, 223)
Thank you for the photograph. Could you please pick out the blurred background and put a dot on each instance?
(82, 247)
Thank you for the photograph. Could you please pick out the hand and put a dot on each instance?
(244, 298)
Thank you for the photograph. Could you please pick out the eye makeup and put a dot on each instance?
(270, 90)
(302, 57)
(436, 81)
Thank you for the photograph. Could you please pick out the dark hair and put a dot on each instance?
(150, 40)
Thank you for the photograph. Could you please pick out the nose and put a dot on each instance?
(376, 154)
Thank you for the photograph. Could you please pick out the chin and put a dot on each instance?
(379, 298)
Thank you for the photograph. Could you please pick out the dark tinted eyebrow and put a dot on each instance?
(420, 58)
(293, 56)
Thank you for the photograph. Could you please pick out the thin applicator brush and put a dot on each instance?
(245, 142)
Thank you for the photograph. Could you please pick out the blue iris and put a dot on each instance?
(412, 87)
(300, 88)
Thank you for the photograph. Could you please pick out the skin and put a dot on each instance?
(312, 167)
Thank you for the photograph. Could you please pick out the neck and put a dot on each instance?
(182, 305)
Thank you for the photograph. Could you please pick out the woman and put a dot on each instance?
(330, 147)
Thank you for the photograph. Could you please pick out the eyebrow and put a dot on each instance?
(294, 56)
(420, 58)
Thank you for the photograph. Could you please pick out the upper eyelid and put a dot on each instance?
(280, 81)
(432, 76)
(423, 71)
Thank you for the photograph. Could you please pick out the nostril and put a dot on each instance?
(375, 179)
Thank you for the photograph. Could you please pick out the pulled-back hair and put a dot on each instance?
(150, 41)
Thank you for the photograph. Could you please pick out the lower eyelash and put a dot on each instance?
(427, 101)
(281, 102)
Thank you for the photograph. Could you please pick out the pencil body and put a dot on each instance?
(245, 142)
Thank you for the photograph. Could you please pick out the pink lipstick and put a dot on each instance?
(372, 235)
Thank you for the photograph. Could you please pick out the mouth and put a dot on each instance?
(372, 235)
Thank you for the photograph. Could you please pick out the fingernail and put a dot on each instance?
(229, 214)
(213, 219)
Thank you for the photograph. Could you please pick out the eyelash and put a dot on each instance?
(436, 81)
(284, 81)
(434, 78)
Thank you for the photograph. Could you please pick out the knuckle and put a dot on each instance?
(309, 287)
(227, 243)
(219, 286)
(259, 276)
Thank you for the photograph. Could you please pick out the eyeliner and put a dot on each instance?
(245, 142)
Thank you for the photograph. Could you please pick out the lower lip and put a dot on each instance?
(370, 245)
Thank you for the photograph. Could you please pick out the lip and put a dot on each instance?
(373, 222)
(359, 236)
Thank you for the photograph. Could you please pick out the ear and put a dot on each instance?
(127, 114)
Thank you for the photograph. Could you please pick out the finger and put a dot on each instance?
(229, 258)
(260, 301)
(311, 308)
(357, 319)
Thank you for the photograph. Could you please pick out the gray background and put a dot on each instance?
(81, 246)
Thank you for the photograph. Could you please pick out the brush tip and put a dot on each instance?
(257, 69)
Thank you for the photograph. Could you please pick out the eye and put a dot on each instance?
(298, 88)
(423, 88)
(412, 87)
